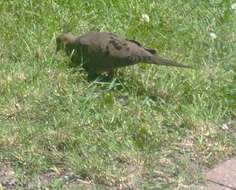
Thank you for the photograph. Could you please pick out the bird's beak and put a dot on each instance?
(57, 49)
(58, 44)
(61, 43)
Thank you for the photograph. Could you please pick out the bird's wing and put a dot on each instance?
(116, 49)
(127, 50)
(152, 51)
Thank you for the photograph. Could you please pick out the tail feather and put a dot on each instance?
(162, 61)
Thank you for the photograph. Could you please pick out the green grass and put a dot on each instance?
(150, 128)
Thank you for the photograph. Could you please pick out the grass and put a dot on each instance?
(150, 128)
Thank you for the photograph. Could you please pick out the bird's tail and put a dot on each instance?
(162, 61)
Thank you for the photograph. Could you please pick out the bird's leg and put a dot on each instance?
(107, 72)
(111, 73)
(92, 75)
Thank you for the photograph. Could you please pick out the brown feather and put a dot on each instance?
(103, 51)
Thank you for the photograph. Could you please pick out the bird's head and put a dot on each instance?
(63, 40)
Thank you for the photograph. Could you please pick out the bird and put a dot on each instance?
(104, 52)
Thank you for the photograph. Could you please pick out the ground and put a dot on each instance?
(149, 127)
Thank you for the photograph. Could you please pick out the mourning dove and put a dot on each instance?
(104, 52)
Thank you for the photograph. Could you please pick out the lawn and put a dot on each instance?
(150, 127)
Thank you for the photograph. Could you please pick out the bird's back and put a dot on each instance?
(111, 51)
